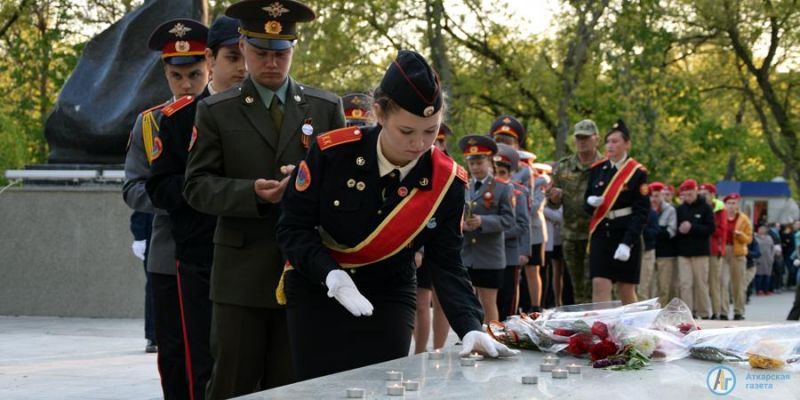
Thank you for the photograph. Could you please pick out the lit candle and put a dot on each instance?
(395, 390)
(530, 379)
(560, 373)
(411, 385)
(394, 375)
(546, 367)
(476, 356)
(355, 393)
(467, 362)
(436, 355)
(574, 369)
(551, 359)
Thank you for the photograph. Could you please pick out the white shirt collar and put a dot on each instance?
(385, 167)
(211, 90)
(618, 165)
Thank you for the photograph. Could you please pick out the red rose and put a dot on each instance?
(579, 344)
(603, 349)
(563, 332)
(686, 327)
(600, 330)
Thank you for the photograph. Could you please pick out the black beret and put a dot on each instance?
(180, 41)
(270, 24)
(620, 127)
(223, 32)
(413, 84)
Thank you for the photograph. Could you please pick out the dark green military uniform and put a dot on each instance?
(572, 178)
(236, 144)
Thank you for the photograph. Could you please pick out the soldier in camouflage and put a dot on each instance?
(570, 179)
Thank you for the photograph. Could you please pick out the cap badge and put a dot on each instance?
(428, 111)
(473, 149)
(505, 128)
(179, 30)
(357, 113)
(472, 141)
(182, 46)
(506, 120)
(356, 100)
(275, 9)
(273, 27)
(616, 125)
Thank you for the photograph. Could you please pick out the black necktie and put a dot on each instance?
(275, 113)
(478, 186)
(390, 182)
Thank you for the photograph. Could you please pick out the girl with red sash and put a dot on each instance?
(354, 214)
(617, 199)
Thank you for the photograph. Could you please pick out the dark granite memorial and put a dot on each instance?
(116, 78)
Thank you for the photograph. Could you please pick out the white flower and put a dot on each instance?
(643, 342)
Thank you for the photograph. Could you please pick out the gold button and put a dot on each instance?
(336, 203)
(351, 183)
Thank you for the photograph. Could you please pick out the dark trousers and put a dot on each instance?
(149, 312)
(794, 313)
(763, 283)
(169, 335)
(250, 347)
(508, 295)
(193, 289)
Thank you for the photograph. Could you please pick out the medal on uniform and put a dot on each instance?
(402, 191)
(308, 132)
(157, 147)
(487, 199)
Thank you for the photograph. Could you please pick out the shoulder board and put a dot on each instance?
(231, 93)
(517, 192)
(501, 180)
(154, 108)
(176, 105)
(318, 93)
(520, 186)
(461, 173)
(599, 162)
(339, 136)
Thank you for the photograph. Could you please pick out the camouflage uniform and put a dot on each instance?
(572, 177)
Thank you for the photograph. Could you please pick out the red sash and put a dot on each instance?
(407, 219)
(612, 191)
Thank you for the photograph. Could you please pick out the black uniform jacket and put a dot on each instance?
(634, 194)
(193, 230)
(348, 215)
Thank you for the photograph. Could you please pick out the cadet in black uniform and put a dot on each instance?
(357, 208)
(617, 198)
(193, 231)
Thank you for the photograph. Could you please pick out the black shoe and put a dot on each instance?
(723, 317)
(151, 347)
(714, 317)
(738, 317)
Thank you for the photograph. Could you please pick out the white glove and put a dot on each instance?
(796, 262)
(594, 201)
(139, 247)
(623, 252)
(481, 342)
(343, 289)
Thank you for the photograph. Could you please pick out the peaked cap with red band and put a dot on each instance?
(413, 84)
(508, 126)
(181, 41)
(477, 146)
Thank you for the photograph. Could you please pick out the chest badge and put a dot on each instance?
(431, 223)
(402, 191)
(303, 180)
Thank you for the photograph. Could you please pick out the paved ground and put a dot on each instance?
(77, 358)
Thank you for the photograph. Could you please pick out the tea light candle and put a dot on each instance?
(394, 375)
(546, 367)
(551, 359)
(395, 390)
(436, 355)
(411, 385)
(530, 379)
(476, 356)
(355, 393)
(467, 362)
(574, 369)
(559, 373)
